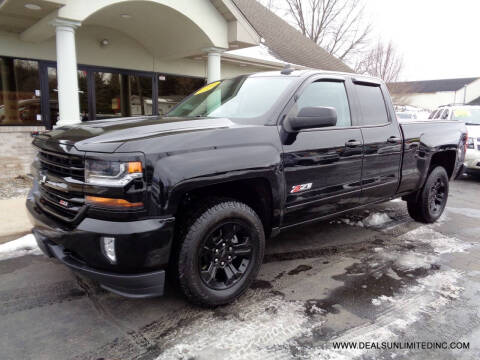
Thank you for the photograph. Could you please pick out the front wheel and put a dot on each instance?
(220, 253)
(432, 199)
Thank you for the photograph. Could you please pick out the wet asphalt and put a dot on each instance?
(331, 281)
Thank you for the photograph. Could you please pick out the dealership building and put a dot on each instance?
(71, 61)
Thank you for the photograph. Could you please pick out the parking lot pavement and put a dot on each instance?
(370, 276)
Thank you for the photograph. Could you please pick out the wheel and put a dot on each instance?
(221, 251)
(432, 199)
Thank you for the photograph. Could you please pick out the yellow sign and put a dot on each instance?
(207, 87)
(459, 113)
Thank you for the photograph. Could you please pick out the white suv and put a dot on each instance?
(470, 115)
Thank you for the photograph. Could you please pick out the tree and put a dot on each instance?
(382, 61)
(338, 26)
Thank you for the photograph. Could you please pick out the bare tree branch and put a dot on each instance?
(382, 61)
(336, 25)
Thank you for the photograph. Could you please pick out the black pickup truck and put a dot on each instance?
(195, 194)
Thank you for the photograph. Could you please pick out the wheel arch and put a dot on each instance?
(259, 193)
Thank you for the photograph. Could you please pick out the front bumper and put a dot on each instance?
(472, 161)
(142, 248)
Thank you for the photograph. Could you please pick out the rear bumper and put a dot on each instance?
(134, 286)
(142, 248)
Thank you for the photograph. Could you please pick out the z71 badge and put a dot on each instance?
(298, 188)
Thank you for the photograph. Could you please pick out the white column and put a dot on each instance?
(67, 79)
(214, 69)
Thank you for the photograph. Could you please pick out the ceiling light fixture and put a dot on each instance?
(104, 42)
(33, 7)
(126, 16)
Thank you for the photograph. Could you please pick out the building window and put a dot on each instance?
(103, 92)
(19, 92)
(122, 95)
(173, 88)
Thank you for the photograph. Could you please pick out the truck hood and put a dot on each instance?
(109, 135)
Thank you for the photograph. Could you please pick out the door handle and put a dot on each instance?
(393, 140)
(353, 143)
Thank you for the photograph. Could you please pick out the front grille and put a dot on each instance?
(63, 206)
(66, 203)
(62, 165)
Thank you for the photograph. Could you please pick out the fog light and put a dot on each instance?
(108, 248)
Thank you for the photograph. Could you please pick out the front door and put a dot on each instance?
(323, 167)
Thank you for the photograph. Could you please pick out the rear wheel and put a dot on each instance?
(432, 199)
(220, 253)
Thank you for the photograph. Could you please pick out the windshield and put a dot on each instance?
(469, 116)
(241, 97)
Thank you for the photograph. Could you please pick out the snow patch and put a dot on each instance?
(252, 333)
(26, 245)
(440, 243)
(430, 295)
(465, 212)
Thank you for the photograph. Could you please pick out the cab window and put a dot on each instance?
(326, 94)
(372, 103)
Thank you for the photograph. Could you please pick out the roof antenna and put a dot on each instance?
(287, 70)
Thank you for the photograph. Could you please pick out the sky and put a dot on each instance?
(439, 39)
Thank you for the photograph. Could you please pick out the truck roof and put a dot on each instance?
(304, 73)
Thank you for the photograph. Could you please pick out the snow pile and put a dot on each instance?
(253, 330)
(350, 222)
(372, 220)
(26, 245)
(376, 219)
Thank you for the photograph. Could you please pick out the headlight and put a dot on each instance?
(111, 173)
(470, 143)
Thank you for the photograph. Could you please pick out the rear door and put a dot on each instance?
(322, 166)
(382, 142)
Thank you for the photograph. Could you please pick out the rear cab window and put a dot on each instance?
(372, 104)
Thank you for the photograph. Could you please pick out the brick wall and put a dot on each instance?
(16, 151)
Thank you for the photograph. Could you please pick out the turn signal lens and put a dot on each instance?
(134, 167)
(112, 203)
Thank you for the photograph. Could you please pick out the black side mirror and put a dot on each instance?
(307, 118)
(311, 118)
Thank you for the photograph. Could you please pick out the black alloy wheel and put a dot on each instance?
(437, 196)
(220, 251)
(226, 254)
(428, 203)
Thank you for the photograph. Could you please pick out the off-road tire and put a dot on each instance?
(420, 208)
(191, 239)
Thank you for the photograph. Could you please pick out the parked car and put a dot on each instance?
(470, 115)
(407, 116)
(195, 193)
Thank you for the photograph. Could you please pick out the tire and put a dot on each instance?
(220, 252)
(431, 199)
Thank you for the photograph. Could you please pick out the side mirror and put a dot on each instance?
(311, 118)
